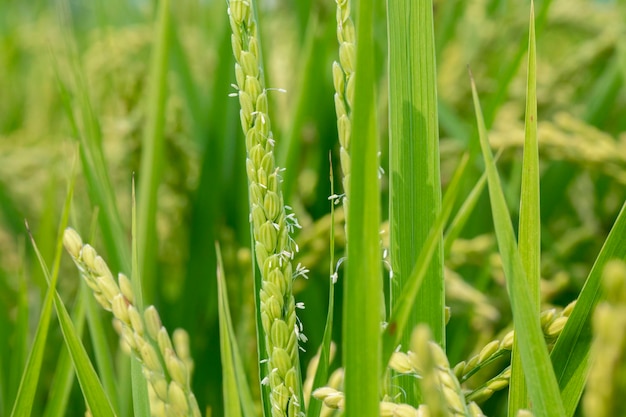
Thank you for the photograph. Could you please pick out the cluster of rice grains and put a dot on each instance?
(343, 80)
(166, 366)
(274, 247)
(441, 384)
(441, 388)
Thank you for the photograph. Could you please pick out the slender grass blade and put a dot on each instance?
(60, 388)
(141, 401)
(321, 374)
(152, 162)
(540, 378)
(529, 239)
(242, 391)
(95, 396)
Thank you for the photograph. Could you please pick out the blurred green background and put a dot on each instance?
(52, 52)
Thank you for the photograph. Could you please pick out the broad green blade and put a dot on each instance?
(529, 239)
(414, 177)
(232, 406)
(362, 308)
(94, 394)
(570, 355)
(63, 380)
(141, 401)
(152, 161)
(540, 378)
(402, 307)
(321, 374)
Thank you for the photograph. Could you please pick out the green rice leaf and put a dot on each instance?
(152, 163)
(570, 355)
(30, 377)
(402, 307)
(236, 390)
(232, 407)
(540, 378)
(414, 183)
(362, 308)
(63, 380)
(141, 401)
(321, 374)
(529, 239)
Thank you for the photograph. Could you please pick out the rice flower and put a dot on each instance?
(165, 366)
(552, 323)
(335, 400)
(274, 247)
(343, 81)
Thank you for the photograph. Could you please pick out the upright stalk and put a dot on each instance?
(272, 244)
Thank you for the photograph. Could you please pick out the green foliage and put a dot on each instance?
(140, 88)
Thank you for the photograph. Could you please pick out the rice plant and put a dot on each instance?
(307, 194)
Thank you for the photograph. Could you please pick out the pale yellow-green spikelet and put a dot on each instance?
(425, 362)
(429, 358)
(141, 334)
(331, 397)
(343, 81)
(401, 363)
(311, 370)
(334, 399)
(496, 383)
(474, 410)
(552, 323)
(390, 409)
(274, 247)
(607, 378)
(490, 350)
(181, 344)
